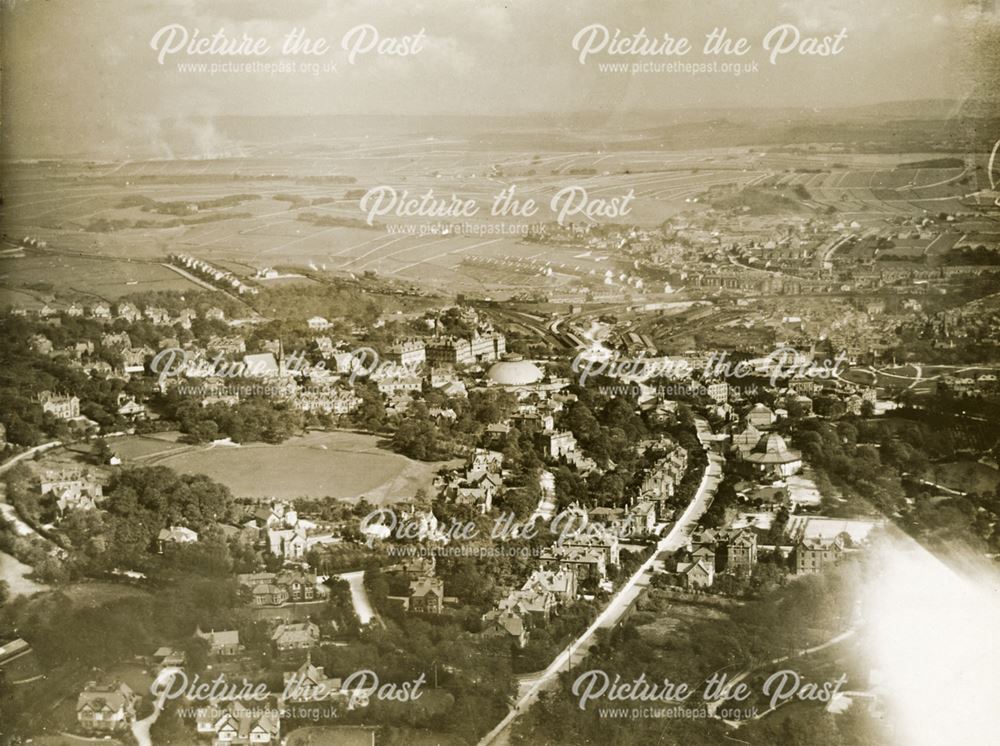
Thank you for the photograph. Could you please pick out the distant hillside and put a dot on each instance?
(906, 126)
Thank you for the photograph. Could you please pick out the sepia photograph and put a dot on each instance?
(481, 373)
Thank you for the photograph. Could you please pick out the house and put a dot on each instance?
(101, 311)
(560, 444)
(700, 574)
(133, 360)
(529, 419)
(106, 707)
(427, 595)
(741, 552)
(41, 344)
(295, 636)
(225, 643)
(642, 517)
(277, 589)
(261, 365)
(744, 442)
(159, 316)
(561, 584)
(245, 535)
(718, 392)
(534, 602)
(318, 324)
(705, 553)
(129, 408)
(116, 340)
(290, 543)
(185, 317)
(585, 562)
(327, 401)
(448, 351)
(442, 377)
(175, 535)
(455, 390)
(415, 567)
(79, 349)
(62, 407)
(167, 657)
(606, 542)
(310, 683)
(506, 624)
(487, 345)
(128, 312)
(276, 515)
(479, 491)
(72, 491)
(661, 480)
(484, 460)
(813, 554)
(238, 724)
(761, 416)
(396, 384)
(408, 353)
(438, 414)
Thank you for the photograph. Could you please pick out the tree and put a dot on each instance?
(417, 438)
(102, 451)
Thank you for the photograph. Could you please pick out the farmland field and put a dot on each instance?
(320, 464)
(298, 206)
(88, 279)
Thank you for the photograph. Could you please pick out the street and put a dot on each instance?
(577, 650)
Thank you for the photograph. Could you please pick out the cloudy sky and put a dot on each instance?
(85, 70)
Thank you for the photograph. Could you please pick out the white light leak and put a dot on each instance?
(934, 645)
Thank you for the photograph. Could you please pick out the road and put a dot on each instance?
(15, 573)
(30, 453)
(359, 596)
(140, 728)
(713, 705)
(577, 650)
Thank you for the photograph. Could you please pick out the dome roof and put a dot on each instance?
(515, 373)
(772, 450)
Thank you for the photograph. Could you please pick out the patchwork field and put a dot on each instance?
(298, 205)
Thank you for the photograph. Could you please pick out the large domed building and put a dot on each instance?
(515, 373)
(774, 458)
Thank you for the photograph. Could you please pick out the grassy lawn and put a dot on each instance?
(319, 464)
(92, 594)
(72, 741)
(661, 614)
(329, 735)
(965, 476)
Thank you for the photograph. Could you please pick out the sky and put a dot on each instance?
(86, 72)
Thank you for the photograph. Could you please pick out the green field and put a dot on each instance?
(964, 476)
(29, 282)
(321, 464)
